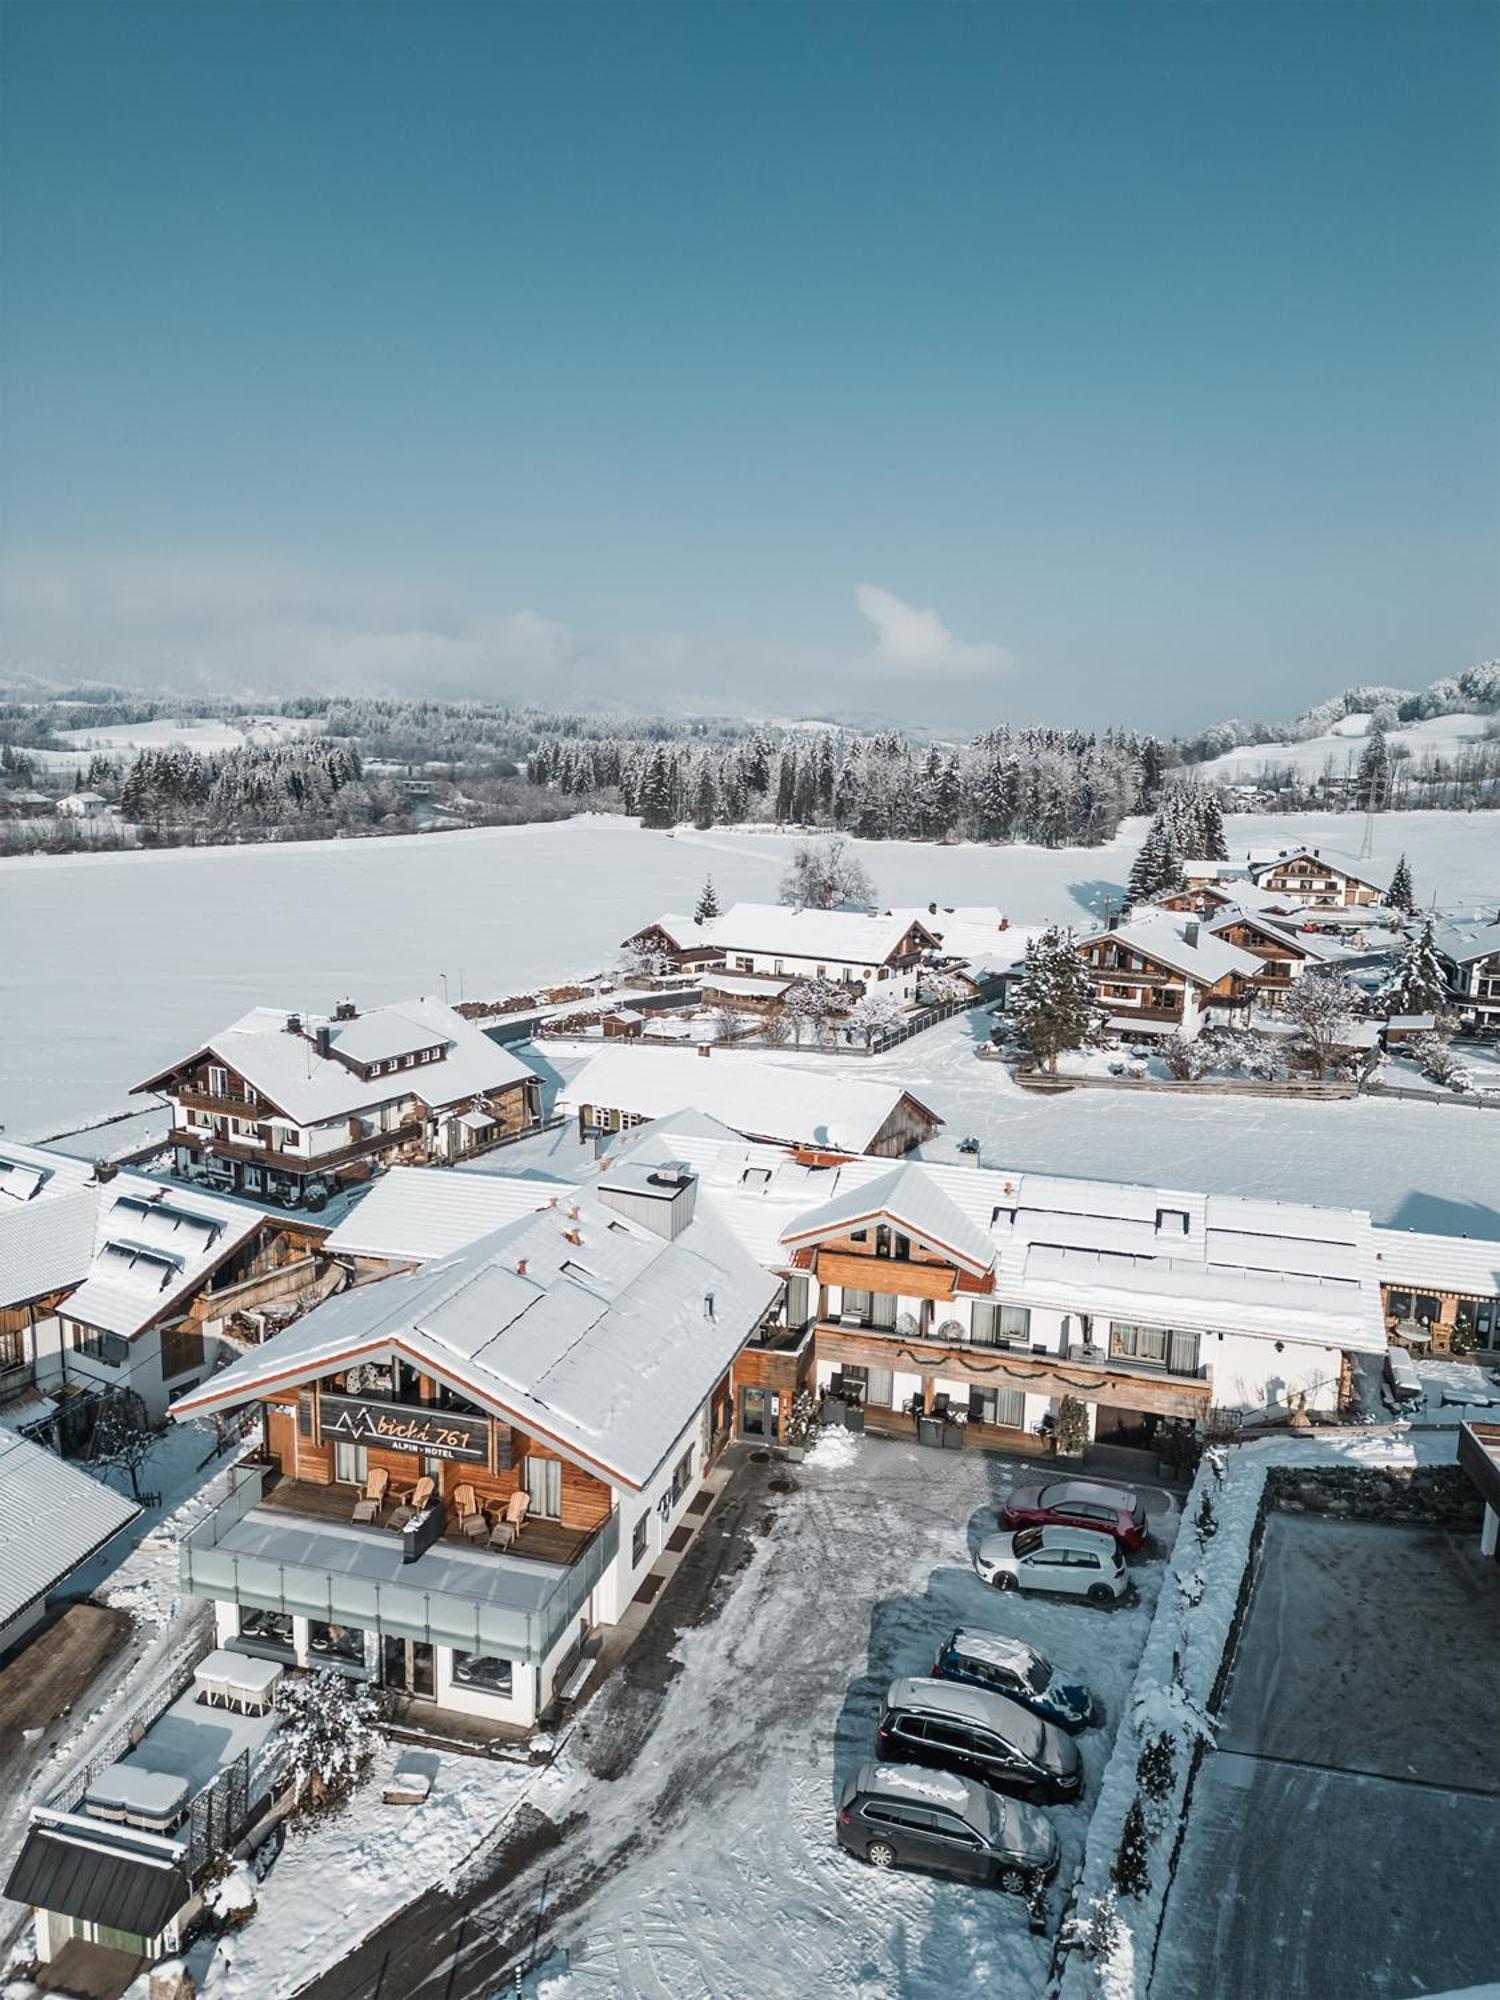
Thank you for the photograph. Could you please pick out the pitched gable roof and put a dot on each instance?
(911, 1200)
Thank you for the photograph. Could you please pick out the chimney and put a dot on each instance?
(520, 1267)
(294, 1024)
(346, 1011)
(1190, 932)
(323, 1040)
(705, 1049)
(1112, 921)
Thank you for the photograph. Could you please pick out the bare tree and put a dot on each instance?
(1321, 1008)
(826, 875)
(123, 1439)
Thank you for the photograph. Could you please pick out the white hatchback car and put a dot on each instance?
(1076, 1561)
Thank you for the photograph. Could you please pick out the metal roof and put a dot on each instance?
(104, 1884)
(52, 1518)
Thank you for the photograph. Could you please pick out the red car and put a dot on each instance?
(1079, 1503)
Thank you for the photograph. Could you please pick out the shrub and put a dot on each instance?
(1072, 1432)
(1130, 1871)
(1206, 1522)
(1156, 1767)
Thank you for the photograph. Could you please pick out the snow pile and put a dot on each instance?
(834, 1449)
(232, 1898)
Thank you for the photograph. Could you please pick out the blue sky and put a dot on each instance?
(1078, 363)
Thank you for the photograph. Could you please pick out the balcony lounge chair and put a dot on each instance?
(367, 1507)
(471, 1520)
(414, 1503)
(508, 1526)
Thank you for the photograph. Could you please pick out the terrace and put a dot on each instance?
(538, 1541)
(432, 1586)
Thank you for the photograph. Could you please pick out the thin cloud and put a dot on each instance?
(919, 641)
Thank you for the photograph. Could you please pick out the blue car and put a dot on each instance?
(1007, 1666)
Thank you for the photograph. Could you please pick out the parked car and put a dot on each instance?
(1011, 1667)
(903, 1816)
(1079, 1503)
(1076, 1561)
(979, 1735)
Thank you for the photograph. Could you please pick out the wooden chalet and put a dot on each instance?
(1157, 973)
(289, 1107)
(1305, 877)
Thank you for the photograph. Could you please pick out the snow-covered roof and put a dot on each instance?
(412, 1214)
(1417, 1260)
(1161, 1255)
(765, 1100)
(1466, 939)
(1412, 1023)
(287, 1069)
(1164, 936)
(1282, 932)
(47, 1204)
(832, 937)
(1199, 869)
(52, 1517)
(913, 1200)
(964, 930)
(1263, 860)
(757, 986)
(153, 1246)
(577, 1323)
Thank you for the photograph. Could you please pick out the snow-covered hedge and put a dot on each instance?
(1167, 1717)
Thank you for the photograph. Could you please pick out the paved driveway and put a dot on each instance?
(1345, 1837)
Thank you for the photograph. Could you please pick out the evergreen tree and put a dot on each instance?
(1213, 845)
(1157, 870)
(707, 904)
(1054, 1006)
(1418, 984)
(1373, 778)
(1401, 896)
(1130, 1870)
(656, 792)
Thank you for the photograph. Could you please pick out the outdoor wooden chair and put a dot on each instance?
(367, 1507)
(471, 1520)
(515, 1509)
(422, 1497)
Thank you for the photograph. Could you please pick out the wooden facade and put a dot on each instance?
(1304, 877)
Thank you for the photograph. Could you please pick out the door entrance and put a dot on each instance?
(757, 1413)
(408, 1664)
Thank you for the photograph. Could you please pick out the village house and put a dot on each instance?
(1470, 952)
(1440, 1294)
(1159, 973)
(826, 1112)
(849, 947)
(1304, 877)
(123, 1284)
(83, 805)
(1284, 951)
(290, 1107)
(53, 1519)
(466, 1468)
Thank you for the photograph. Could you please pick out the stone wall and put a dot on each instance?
(1433, 1496)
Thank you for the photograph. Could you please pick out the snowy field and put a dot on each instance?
(1338, 751)
(122, 740)
(115, 963)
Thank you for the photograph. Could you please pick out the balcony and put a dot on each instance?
(293, 1160)
(276, 1557)
(1090, 1374)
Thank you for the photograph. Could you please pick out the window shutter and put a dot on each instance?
(796, 1301)
(884, 1314)
(307, 1406)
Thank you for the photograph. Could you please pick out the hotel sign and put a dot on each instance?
(403, 1427)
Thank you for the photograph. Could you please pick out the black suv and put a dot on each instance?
(980, 1735)
(897, 1815)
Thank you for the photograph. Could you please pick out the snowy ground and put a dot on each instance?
(122, 740)
(731, 1882)
(339, 1877)
(116, 963)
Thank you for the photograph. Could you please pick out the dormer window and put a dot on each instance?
(1171, 1222)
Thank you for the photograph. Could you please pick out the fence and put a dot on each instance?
(1211, 1086)
(1476, 1100)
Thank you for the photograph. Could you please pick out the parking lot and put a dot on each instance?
(723, 1877)
(1344, 1838)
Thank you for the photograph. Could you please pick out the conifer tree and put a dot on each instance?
(707, 905)
(1418, 984)
(1054, 1006)
(1401, 896)
(1212, 844)
(1373, 778)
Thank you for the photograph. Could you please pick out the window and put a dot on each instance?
(1171, 1222)
(1138, 1343)
(1429, 1309)
(1006, 1407)
(291, 1138)
(486, 1671)
(682, 1477)
(544, 1484)
(218, 1081)
(106, 1347)
(252, 1180)
(856, 1305)
(1000, 1326)
(181, 1349)
(1399, 1303)
(351, 1464)
(638, 1541)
